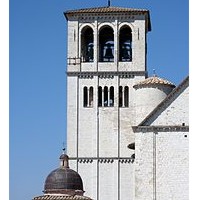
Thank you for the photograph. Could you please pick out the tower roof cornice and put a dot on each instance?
(109, 10)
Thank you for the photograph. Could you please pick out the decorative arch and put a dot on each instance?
(125, 43)
(87, 44)
(106, 44)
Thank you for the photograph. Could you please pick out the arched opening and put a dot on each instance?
(105, 96)
(87, 44)
(85, 97)
(91, 96)
(99, 96)
(120, 96)
(126, 96)
(111, 102)
(125, 44)
(106, 44)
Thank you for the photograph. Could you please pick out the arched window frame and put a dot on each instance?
(87, 44)
(106, 44)
(125, 43)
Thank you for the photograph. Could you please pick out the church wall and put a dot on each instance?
(177, 112)
(73, 48)
(87, 169)
(127, 180)
(139, 44)
(87, 141)
(72, 116)
(161, 165)
(144, 166)
(108, 180)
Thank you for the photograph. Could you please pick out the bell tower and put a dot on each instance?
(106, 56)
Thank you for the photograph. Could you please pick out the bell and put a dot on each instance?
(90, 52)
(109, 54)
(125, 53)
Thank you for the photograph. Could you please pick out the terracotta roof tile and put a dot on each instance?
(154, 80)
(106, 10)
(109, 9)
(61, 197)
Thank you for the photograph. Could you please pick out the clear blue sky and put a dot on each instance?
(38, 80)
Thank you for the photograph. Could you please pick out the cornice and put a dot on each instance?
(161, 128)
(109, 74)
(102, 160)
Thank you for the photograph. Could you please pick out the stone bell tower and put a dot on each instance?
(106, 57)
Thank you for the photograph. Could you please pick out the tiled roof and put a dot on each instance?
(61, 197)
(109, 9)
(106, 10)
(154, 80)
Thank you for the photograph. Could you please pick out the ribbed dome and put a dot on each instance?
(154, 80)
(63, 179)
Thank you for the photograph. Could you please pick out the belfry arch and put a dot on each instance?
(87, 44)
(106, 44)
(125, 44)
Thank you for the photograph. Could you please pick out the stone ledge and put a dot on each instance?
(160, 129)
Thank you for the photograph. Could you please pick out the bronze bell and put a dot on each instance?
(109, 54)
(125, 53)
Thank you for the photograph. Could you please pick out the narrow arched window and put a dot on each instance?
(91, 96)
(120, 96)
(99, 96)
(106, 44)
(87, 44)
(85, 97)
(126, 96)
(105, 96)
(125, 44)
(111, 101)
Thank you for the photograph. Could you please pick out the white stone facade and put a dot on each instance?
(97, 136)
(99, 130)
(162, 150)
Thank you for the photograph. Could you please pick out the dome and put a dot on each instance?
(154, 80)
(63, 179)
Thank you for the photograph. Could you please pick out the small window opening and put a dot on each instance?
(105, 96)
(126, 96)
(111, 101)
(120, 96)
(100, 96)
(85, 97)
(91, 96)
